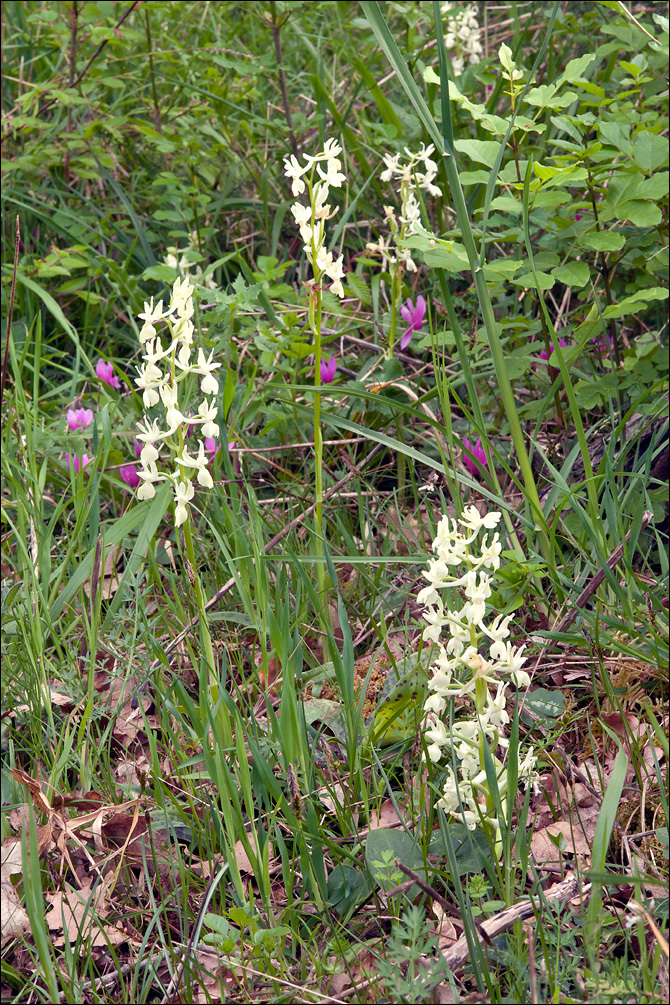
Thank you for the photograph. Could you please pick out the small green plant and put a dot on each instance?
(413, 965)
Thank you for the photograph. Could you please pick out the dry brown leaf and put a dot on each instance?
(71, 913)
(15, 921)
(40, 801)
(209, 985)
(130, 771)
(445, 930)
(243, 860)
(444, 995)
(326, 794)
(63, 701)
(545, 851)
(386, 816)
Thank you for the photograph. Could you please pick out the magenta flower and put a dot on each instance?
(328, 368)
(562, 343)
(105, 372)
(137, 448)
(130, 476)
(603, 345)
(212, 447)
(552, 371)
(78, 463)
(475, 467)
(414, 317)
(79, 418)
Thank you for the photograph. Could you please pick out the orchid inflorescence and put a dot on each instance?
(178, 259)
(406, 170)
(311, 219)
(160, 386)
(463, 35)
(462, 671)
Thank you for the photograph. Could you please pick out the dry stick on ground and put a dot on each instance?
(446, 906)
(457, 954)
(227, 587)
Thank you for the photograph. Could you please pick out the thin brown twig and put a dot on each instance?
(446, 906)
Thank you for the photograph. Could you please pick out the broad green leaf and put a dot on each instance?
(508, 204)
(347, 887)
(504, 267)
(519, 361)
(633, 303)
(538, 96)
(612, 132)
(575, 68)
(601, 838)
(562, 122)
(506, 61)
(650, 151)
(655, 187)
(543, 704)
(529, 282)
(483, 151)
(604, 240)
(471, 847)
(383, 845)
(639, 212)
(162, 273)
(572, 273)
(473, 178)
(550, 200)
(589, 394)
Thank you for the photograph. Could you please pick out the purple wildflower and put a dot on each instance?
(552, 371)
(78, 463)
(79, 418)
(475, 467)
(414, 317)
(212, 447)
(603, 345)
(105, 372)
(137, 448)
(328, 368)
(130, 476)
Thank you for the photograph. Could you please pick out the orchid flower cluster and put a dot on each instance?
(160, 385)
(311, 219)
(462, 671)
(177, 258)
(407, 171)
(463, 36)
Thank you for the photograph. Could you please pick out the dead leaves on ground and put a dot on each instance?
(99, 856)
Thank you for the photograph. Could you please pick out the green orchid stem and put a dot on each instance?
(207, 649)
(395, 300)
(315, 314)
